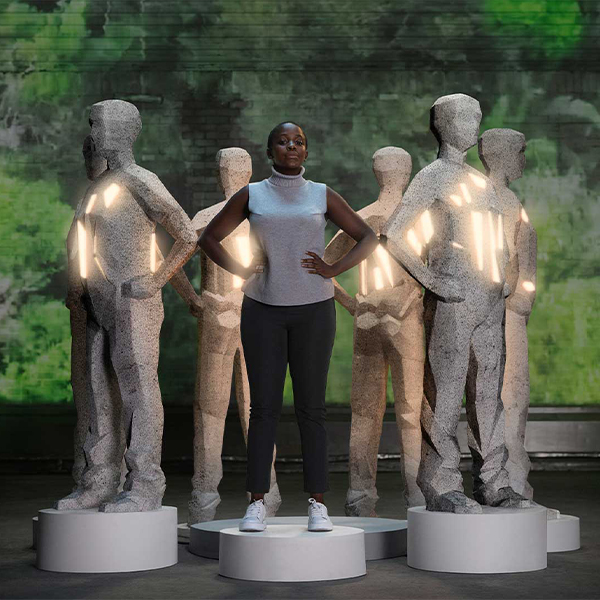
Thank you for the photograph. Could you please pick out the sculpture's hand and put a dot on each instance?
(449, 289)
(140, 287)
(520, 304)
(197, 306)
(316, 264)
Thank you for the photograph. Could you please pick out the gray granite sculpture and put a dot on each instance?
(448, 234)
(121, 278)
(502, 152)
(220, 352)
(388, 333)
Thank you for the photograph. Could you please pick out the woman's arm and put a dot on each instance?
(224, 222)
(342, 215)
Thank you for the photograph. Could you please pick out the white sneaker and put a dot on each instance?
(318, 519)
(254, 519)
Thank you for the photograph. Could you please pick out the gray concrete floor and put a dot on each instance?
(569, 575)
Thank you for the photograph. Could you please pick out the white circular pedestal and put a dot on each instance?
(34, 524)
(563, 534)
(88, 541)
(500, 540)
(292, 553)
(384, 538)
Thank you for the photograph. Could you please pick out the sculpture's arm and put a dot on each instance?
(181, 284)
(339, 245)
(162, 208)
(523, 297)
(74, 284)
(395, 238)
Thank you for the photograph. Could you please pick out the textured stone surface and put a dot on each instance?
(388, 332)
(220, 352)
(448, 234)
(120, 282)
(502, 151)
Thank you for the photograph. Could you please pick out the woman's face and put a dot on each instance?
(288, 150)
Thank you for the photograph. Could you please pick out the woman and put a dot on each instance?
(288, 310)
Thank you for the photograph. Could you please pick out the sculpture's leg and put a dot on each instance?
(211, 401)
(272, 499)
(134, 353)
(447, 334)
(515, 397)
(367, 400)
(485, 414)
(103, 446)
(79, 385)
(311, 337)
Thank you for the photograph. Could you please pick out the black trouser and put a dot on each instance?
(272, 336)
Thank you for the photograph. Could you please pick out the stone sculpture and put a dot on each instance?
(220, 351)
(120, 282)
(388, 333)
(448, 234)
(502, 152)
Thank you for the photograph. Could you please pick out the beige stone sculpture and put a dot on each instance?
(448, 233)
(119, 284)
(220, 351)
(388, 333)
(502, 152)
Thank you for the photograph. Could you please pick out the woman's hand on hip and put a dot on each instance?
(315, 264)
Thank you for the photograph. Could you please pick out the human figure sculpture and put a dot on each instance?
(220, 351)
(450, 217)
(388, 333)
(120, 284)
(502, 152)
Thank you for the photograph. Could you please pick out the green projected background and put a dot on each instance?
(358, 76)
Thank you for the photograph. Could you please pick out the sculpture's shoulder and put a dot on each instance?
(137, 179)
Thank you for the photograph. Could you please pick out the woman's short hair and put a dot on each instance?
(276, 129)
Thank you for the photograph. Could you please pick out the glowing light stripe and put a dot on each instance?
(243, 248)
(456, 199)
(383, 259)
(110, 193)
(477, 220)
(411, 236)
(457, 245)
(477, 180)
(81, 241)
(378, 278)
(427, 226)
(528, 286)
(465, 192)
(90, 205)
(99, 266)
(524, 216)
(362, 277)
(152, 252)
(500, 233)
(492, 234)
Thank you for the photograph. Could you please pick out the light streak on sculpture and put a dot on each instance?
(377, 277)
(427, 226)
(524, 216)
(152, 252)
(110, 193)
(457, 245)
(465, 192)
(90, 205)
(243, 247)
(411, 236)
(478, 181)
(383, 259)
(500, 233)
(456, 199)
(362, 278)
(529, 286)
(492, 236)
(82, 244)
(477, 221)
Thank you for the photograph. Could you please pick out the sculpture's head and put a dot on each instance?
(455, 120)
(287, 147)
(234, 169)
(115, 126)
(392, 167)
(502, 152)
(95, 164)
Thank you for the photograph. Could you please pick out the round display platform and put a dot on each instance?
(384, 538)
(88, 541)
(292, 553)
(499, 540)
(563, 534)
(183, 533)
(34, 524)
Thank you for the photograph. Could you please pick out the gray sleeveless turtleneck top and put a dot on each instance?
(287, 218)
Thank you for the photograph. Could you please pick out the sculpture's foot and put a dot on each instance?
(505, 497)
(83, 498)
(130, 502)
(361, 503)
(454, 502)
(552, 514)
(272, 500)
(414, 497)
(203, 507)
